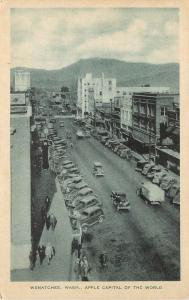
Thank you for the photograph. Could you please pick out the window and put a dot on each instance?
(163, 110)
(109, 82)
(100, 93)
(124, 93)
(142, 108)
(136, 107)
(110, 89)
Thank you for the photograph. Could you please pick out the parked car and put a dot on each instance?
(85, 191)
(98, 169)
(174, 194)
(86, 202)
(67, 162)
(69, 166)
(104, 139)
(87, 134)
(90, 216)
(119, 147)
(151, 193)
(125, 153)
(166, 182)
(154, 170)
(80, 185)
(159, 176)
(147, 168)
(140, 165)
(52, 120)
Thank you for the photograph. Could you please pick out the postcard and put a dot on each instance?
(94, 152)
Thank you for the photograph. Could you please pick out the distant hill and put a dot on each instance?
(126, 73)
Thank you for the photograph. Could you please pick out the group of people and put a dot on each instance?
(42, 251)
(40, 254)
(82, 268)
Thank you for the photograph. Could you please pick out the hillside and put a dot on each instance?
(127, 74)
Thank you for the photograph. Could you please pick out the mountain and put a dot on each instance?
(126, 73)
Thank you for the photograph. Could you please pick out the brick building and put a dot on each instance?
(149, 118)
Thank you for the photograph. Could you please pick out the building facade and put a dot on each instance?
(149, 118)
(126, 104)
(21, 81)
(92, 92)
(20, 185)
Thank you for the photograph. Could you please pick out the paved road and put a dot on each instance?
(147, 238)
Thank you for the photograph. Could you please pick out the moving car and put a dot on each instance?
(151, 193)
(119, 201)
(98, 169)
(80, 134)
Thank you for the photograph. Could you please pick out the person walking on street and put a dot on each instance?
(84, 268)
(53, 221)
(32, 258)
(41, 251)
(49, 252)
(47, 203)
(43, 214)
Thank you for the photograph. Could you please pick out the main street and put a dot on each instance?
(142, 244)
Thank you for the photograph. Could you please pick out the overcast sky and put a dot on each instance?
(54, 38)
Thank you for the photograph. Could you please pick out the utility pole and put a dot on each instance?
(111, 117)
(95, 114)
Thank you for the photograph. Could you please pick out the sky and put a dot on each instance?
(53, 38)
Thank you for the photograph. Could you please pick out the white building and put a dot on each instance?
(21, 81)
(126, 102)
(92, 92)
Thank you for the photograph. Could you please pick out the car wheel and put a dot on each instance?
(100, 220)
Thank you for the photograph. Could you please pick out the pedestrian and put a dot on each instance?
(49, 252)
(71, 145)
(84, 267)
(43, 214)
(48, 222)
(32, 258)
(47, 203)
(41, 251)
(77, 268)
(53, 221)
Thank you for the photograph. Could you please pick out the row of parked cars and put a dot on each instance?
(161, 177)
(84, 206)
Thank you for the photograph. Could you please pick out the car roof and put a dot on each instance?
(81, 184)
(97, 164)
(91, 209)
(119, 193)
(67, 162)
(84, 191)
(88, 198)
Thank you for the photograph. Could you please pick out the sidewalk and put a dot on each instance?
(61, 265)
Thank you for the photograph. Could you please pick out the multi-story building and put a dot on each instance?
(20, 181)
(126, 104)
(21, 81)
(92, 92)
(149, 116)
